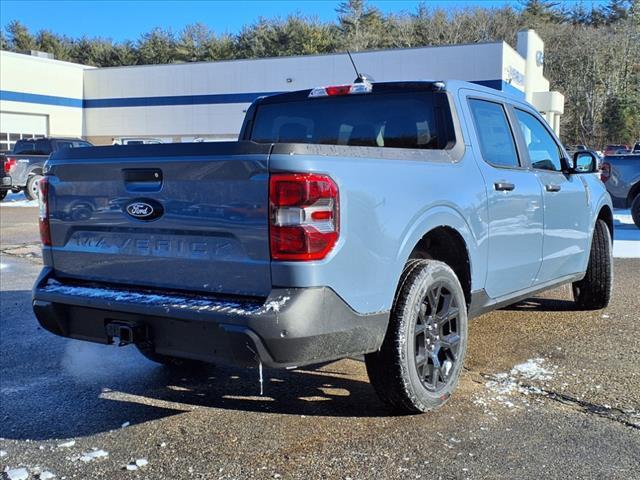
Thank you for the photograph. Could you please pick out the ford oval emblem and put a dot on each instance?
(144, 209)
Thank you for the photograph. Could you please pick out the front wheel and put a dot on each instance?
(419, 364)
(31, 189)
(593, 292)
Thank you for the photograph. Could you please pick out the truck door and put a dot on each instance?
(566, 211)
(514, 201)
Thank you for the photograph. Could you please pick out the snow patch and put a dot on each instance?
(16, 473)
(92, 455)
(508, 389)
(46, 475)
(159, 300)
(626, 236)
(139, 463)
(532, 370)
(18, 200)
(125, 424)
(276, 305)
(68, 444)
(3, 453)
(4, 266)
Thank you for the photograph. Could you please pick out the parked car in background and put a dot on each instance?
(136, 141)
(615, 148)
(621, 176)
(22, 168)
(347, 220)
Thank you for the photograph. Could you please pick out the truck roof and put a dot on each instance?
(397, 86)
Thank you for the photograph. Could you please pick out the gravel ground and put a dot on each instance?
(547, 392)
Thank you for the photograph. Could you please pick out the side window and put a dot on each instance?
(496, 140)
(543, 150)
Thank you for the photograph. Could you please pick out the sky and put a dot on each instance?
(126, 20)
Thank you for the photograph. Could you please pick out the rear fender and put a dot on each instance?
(444, 216)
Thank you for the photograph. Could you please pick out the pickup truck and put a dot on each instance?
(621, 176)
(367, 218)
(22, 168)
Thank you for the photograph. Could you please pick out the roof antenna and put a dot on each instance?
(360, 77)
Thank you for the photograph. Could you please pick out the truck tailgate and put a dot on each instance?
(177, 216)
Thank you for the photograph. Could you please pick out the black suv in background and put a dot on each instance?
(22, 167)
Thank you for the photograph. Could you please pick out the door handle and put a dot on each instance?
(503, 186)
(551, 187)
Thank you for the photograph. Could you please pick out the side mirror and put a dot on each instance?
(584, 162)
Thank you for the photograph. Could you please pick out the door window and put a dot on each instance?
(543, 150)
(494, 133)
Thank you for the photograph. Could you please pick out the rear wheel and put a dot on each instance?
(31, 189)
(593, 292)
(172, 362)
(419, 364)
(635, 210)
(3, 194)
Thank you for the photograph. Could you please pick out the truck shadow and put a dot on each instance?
(51, 387)
(539, 304)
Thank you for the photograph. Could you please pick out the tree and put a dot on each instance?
(193, 44)
(157, 47)
(361, 25)
(19, 37)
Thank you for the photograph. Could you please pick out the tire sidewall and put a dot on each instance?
(635, 210)
(422, 398)
(32, 181)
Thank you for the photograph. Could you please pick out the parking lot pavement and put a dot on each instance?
(547, 392)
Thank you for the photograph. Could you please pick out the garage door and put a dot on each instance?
(14, 126)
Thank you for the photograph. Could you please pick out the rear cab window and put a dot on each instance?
(497, 143)
(404, 118)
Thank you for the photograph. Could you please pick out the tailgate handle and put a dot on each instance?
(142, 179)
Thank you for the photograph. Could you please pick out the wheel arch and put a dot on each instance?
(606, 214)
(37, 170)
(443, 234)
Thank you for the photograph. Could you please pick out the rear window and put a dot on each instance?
(417, 120)
(71, 144)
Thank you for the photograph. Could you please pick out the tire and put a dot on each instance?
(635, 210)
(31, 189)
(593, 292)
(417, 340)
(175, 363)
(3, 194)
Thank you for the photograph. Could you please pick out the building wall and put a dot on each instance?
(209, 99)
(183, 102)
(40, 88)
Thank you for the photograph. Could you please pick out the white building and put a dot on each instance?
(181, 102)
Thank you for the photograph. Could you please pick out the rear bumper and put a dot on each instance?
(5, 182)
(292, 327)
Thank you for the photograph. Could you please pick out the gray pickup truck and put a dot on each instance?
(621, 176)
(355, 219)
(22, 168)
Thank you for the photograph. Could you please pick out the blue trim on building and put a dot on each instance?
(10, 96)
(211, 99)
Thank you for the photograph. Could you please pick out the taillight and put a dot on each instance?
(334, 90)
(605, 171)
(304, 212)
(9, 164)
(45, 230)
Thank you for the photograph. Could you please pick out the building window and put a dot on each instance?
(8, 140)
